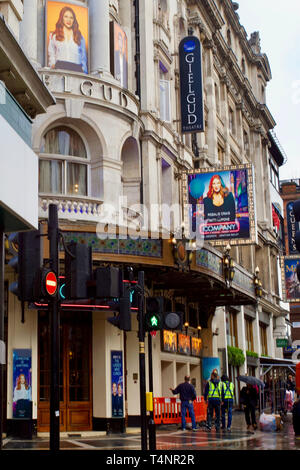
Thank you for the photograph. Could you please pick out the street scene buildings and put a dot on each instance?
(129, 181)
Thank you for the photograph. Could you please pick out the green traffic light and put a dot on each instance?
(154, 320)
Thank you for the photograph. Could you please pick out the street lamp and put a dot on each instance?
(228, 266)
(257, 283)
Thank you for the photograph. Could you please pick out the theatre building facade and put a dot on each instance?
(114, 159)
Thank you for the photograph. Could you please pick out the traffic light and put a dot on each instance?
(296, 210)
(27, 264)
(154, 313)
(156, 319)
(173, 320)
(122, 307)
(78, 270)
(109, 282)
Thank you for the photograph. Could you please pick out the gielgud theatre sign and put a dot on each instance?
(191, 94)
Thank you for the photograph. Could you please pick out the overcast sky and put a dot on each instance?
(278, 24)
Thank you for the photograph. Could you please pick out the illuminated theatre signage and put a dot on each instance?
(191, 85)
(219, 205)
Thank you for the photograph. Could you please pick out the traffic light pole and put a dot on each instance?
(152, 430)
(53, 236)
(2, 344)
(141, 336)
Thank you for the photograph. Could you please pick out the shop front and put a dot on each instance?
(89, 378)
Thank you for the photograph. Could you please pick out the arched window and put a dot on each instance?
(63, 167)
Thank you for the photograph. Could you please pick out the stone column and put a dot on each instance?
(99, 37)
(28, 30)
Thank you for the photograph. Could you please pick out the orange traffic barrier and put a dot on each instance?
(168, 410)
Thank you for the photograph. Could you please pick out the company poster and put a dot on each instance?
(169, 341)
(119, 54)
(196, 346)
(184, 344)
(219, 205)
(22, 398)
(191, 94)
(117, 388)
(290, 283)
(67, 36)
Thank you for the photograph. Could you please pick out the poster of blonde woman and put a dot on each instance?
(67, 30)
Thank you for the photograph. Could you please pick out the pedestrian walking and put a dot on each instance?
(248, 399)
(227, 401)
(212, 396)
(187, 394)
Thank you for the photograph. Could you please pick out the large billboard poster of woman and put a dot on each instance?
(67, 31)
(220, 204)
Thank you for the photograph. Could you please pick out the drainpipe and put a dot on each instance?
(136, 4)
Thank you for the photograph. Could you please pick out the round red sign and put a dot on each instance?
(51, 283)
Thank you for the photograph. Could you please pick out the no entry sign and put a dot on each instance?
(51, 283)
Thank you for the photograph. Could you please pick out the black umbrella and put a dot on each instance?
(251, 380)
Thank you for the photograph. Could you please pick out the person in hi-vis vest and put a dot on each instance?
(227, 401)
(213, 395)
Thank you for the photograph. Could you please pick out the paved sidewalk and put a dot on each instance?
(170, 437)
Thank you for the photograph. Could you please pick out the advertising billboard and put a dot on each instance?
(191, 93)
(290, 283)
(67, 36)
(220, 206)
(117, 391)
(169, 341)
(119, 54)
(22, 397)
(292, 226)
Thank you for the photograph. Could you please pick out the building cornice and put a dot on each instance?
(20, 77)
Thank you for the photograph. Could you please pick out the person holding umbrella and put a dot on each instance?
(248, 399)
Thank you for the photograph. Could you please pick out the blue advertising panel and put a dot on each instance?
(290, 283)
(292, 226)
(22, 398)
(191, 93)
(219, 205)
(208, 365)
(117, 388)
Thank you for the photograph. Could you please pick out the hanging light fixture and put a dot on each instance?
(257, 283)
(228, 266)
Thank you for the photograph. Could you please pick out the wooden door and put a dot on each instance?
(75, 372)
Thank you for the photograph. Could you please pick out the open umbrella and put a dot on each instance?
(248, 379)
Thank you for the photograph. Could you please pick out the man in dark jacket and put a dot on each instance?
(187, 395)
(248, 399)
(213, 395)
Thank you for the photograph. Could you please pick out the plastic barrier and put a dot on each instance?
(168, 410)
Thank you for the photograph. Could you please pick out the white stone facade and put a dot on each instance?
(134, 148)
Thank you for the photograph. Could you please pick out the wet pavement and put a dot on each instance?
(172, 438)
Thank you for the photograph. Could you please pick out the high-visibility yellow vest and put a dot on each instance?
(215, 391)
(228, 390)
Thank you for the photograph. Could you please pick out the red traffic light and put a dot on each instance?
(51, 283)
